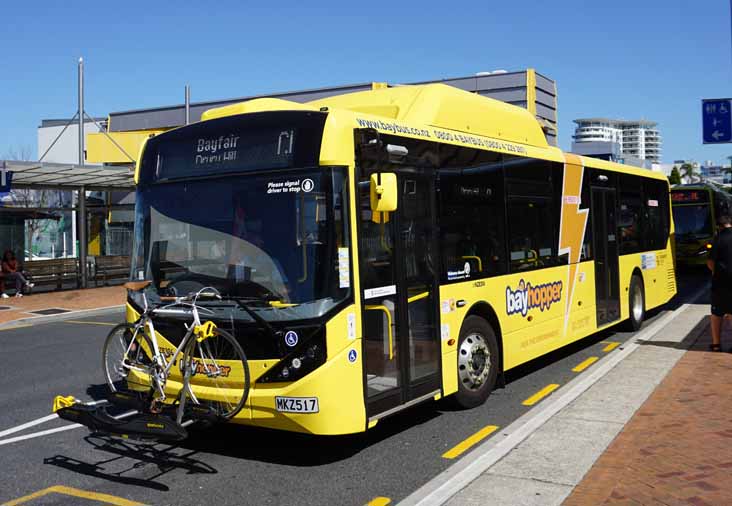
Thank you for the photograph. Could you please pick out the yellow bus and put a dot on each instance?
(379, 249)
(696, 207)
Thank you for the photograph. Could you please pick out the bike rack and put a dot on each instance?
(134, 424)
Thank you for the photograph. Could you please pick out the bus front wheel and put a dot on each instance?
(636, 304)
(477, 362)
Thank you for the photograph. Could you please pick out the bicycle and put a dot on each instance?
(208, 359)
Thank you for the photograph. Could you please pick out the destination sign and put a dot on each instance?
(689, 196)
(235, 144)
(227, 151)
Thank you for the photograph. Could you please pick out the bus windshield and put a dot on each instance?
(278, 240)
(692, 222)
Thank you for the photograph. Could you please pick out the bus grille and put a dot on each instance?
(671, 280)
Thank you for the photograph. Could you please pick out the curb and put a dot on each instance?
(35, 320)
(441, 488)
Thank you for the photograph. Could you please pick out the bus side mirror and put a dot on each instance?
(384, 192)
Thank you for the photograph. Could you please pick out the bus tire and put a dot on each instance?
(477, 362)
(636, 304)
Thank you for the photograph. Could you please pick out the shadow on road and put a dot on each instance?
(303, 450)
(155, 460)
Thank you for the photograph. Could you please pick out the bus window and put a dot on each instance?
(531, 232)
(629, 218)
(655, 203)
(693, 222)
(471, 220)
(585, 204)
(531, 217)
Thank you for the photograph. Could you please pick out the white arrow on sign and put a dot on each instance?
(716, 134)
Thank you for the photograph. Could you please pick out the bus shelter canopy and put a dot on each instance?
(61, 176)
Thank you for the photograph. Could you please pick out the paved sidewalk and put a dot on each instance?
(677, 449)
(72, 300)
(611, 437)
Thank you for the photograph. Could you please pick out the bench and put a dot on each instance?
(107, 268)
(54, 272)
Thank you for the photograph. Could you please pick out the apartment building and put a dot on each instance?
(636, 138)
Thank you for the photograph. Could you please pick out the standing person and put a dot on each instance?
(11, 272)
(720, 263)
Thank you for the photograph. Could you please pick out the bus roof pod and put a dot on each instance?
(256, 105)
(444, 106)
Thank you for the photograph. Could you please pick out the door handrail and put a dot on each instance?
(377, 307)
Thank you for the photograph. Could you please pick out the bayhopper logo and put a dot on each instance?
(527, 297)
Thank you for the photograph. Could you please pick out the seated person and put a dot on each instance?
(11, 271)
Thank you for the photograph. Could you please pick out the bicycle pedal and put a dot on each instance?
(201, 414)
(196, 413)
(128, 400)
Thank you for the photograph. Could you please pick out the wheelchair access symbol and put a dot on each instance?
(352, 356)
(291, 338)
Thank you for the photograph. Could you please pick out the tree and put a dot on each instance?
(689, 172)
(675, 177)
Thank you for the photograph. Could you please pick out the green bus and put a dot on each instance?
(696, 208)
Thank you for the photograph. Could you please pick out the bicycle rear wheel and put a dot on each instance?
(219, 373)
(124, 360)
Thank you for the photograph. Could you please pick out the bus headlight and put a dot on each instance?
(301, 361)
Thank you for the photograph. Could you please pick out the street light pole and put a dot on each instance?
(81, 112)
(188, 103)
(81, 192)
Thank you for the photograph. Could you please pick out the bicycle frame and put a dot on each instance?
(161, 368)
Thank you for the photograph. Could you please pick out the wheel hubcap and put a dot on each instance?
(474, 362)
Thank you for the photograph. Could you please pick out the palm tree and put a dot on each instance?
(689, 172)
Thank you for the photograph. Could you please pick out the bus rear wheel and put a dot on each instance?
(636, 304)
(477, 362)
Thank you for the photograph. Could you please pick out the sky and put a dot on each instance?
(650, 59)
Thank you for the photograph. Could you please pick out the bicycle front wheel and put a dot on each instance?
(219, 373)
(125, 359)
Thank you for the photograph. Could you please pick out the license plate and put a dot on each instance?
(296, 404)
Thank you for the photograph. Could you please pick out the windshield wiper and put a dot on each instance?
(242, 303)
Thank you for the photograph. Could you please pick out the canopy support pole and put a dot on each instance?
(81, 228)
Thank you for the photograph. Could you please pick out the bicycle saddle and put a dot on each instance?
(136, 286)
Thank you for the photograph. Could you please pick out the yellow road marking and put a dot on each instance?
(90, 323)
(610, 347)
(460, 448)
(379, 501)
(540, 394)
(17, 327)
(584, 365)
(75, 492)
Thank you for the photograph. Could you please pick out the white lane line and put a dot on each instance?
(33, 435)
(37, 421)
(39, 434)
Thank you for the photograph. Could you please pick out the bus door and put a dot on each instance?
(605, 245)
(398, 260)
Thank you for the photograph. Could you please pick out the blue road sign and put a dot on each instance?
(717, 120)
